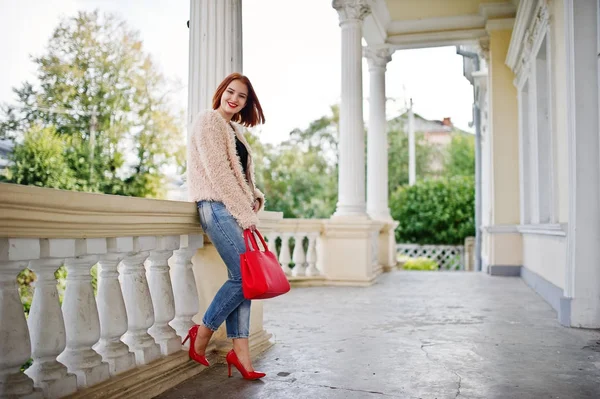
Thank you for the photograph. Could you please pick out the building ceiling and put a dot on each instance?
(428, 23)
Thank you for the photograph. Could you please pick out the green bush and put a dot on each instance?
(435, 211)
(39, 160)
(420, 264)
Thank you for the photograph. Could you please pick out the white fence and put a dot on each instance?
(448, 257)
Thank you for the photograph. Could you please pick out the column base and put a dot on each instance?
(19, 385)
(166, 339)
(143, 346)
(87, 365)
(349, 250)
(117, 355)
(387, 245)
(580, 312)
(59, 388)
(53, 379)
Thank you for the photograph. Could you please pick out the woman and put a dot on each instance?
(221, 182)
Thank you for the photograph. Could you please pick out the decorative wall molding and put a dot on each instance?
(559, 230)
(529, 31)
(502, 229)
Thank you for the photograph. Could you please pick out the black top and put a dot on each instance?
(242, 153)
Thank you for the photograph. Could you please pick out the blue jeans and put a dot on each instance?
(229, 304)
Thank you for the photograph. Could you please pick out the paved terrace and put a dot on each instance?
(414, 335)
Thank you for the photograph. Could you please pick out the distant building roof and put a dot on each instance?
(6, 148)
(427, 126)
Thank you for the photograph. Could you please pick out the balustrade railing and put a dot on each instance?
(146, 294)
(296, 242)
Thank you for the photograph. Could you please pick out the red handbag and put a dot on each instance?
(262, 276)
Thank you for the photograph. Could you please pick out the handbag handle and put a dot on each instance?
(250, 240)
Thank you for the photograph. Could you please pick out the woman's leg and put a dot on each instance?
(229, 302)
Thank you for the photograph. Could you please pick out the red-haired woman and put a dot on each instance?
(221, 182)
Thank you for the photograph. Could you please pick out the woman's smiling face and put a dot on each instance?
(234, 98)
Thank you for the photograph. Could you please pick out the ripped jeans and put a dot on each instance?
(229, 304)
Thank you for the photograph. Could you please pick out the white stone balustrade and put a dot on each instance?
(305, 259)
(80, 314)
(284, 254)
(111, 308)
(15, 345)
(136, 293)
(299, 257)
(161, 291)
(138, 315)
(45, 315)
(184, 286)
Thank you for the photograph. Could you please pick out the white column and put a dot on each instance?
(80, 313)
(184, 284)
(215, 49)
(412, 155)
(580, 306)
(161, 291)
(377, 144)
(138, 302)
(46, 323)
(351, 185)
(111, 308)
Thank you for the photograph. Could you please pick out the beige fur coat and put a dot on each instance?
(215, 172)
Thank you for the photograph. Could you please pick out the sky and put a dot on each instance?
(292, 55)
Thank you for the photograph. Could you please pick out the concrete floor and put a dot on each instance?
(414, 335)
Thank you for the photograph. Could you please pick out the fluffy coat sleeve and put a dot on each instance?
(211, 145)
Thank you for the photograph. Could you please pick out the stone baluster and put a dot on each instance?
(299, 257)
(15, 346)
(80, 314)
(272, 241)
(138, 302)
(311, 255)
(284, 254)
(161, 292)
(184, 284)
(46, 323)
(111, 307)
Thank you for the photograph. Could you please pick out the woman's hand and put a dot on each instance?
(252, 228)
(256, 206)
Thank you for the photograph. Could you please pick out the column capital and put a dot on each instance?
(378, 57)
(349, 10)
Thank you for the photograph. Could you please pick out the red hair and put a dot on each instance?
(251, 114)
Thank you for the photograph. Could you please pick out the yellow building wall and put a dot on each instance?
(504, 247)
(505, 133)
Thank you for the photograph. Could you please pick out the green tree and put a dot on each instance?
(39, 160)
(299, 176)
(460, 156)
(398, 158)
(107, 99)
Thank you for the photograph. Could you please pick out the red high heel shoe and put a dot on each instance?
(248, 375)
(192, 334)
